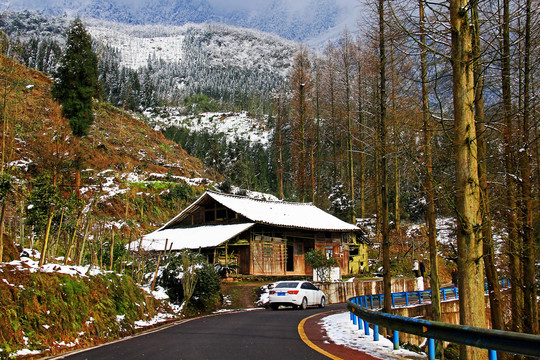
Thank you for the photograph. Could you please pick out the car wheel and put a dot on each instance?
(323, 302)
(303, 306)
(274, 306)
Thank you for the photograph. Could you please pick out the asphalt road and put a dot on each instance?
(260, 334)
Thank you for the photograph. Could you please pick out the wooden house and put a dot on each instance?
(259, 237)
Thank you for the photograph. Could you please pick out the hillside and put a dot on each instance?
(120, 156)
(37, 306)
(99, 192)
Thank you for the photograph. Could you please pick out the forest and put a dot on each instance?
(426, 110)
(431, 110)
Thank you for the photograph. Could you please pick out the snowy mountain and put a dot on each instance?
(144, 65)
(309, 21)
(221, 46)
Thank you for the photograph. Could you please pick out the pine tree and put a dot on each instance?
(77, 79)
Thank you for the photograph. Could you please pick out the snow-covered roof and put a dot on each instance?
(278, 213)
(192, 237)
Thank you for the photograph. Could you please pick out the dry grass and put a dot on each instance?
(117, 140)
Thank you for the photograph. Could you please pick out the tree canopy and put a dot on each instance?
(77, 79)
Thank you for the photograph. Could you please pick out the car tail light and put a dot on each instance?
(272, 292)
(293, 292)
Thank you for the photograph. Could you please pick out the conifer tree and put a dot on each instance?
(77, 79)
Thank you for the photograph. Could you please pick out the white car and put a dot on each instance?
(298, 294)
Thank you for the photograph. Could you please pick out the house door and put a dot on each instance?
(290, 256)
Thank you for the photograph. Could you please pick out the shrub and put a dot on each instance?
(320, 263)
(207, 292)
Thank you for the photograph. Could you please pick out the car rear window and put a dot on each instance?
(291, 285)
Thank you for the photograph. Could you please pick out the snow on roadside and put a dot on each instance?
(340, 330)
(27, 263)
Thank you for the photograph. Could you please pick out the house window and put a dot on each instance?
(329, 252)
(267, 250)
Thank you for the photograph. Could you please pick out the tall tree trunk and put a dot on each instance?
(317, 191)
(21, 224)
(72, 242)
(395, 140)
(387, 274)
(55, 246)
(83, 245)
(514, 243)
(495, 299)
(350, 158)
(2, 214)
(111, 250)
(428, 178)
(361, 138)
(46, 240)
(470, 270)
(280, 109)
(529, 270)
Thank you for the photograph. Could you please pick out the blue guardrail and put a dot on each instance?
(493, 340)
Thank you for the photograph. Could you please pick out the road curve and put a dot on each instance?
(260, 334)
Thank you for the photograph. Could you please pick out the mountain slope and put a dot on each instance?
(143, 65)
(126, 168)
(299, 20)
(116, 139)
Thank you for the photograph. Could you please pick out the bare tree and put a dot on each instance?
(470, 271)
(514, 247)
(428, 174)
(487, 224)
(383, 176)
(529, 261)
(301, 123)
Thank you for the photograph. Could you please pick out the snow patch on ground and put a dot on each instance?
(341, 331)
(231, 125)
(28, 264)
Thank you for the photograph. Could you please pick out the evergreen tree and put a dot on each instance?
(77, 79)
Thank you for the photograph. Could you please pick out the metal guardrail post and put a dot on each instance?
(393, 301)
(366, 328)
(492, 355)
(419, 297)
(395, 339)
(431, 349)
(375, 332)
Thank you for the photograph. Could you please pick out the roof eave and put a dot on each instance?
(186, 211)
(309, 228)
